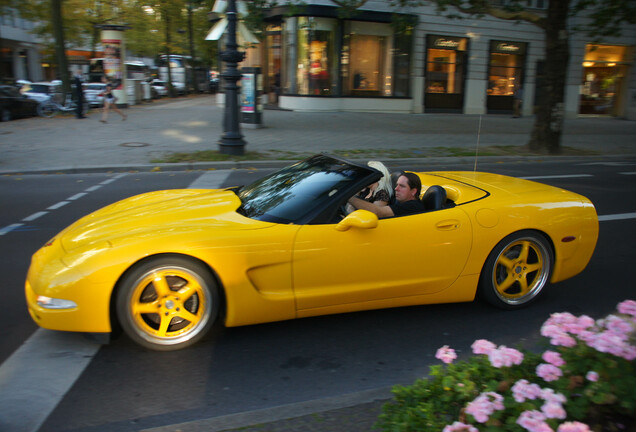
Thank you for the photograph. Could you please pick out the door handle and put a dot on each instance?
(447, 225)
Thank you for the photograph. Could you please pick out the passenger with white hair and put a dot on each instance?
(380, 192)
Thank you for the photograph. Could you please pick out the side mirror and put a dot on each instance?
(362, 219)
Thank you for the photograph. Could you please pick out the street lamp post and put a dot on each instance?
(231, 142)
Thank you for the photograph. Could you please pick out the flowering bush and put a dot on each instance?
(586, 381)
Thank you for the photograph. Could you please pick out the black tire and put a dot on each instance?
(46, 109)
(5, 115)
(167, 303)
(517, 270)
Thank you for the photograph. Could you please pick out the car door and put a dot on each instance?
(400, 257)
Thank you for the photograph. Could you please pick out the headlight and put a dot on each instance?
(53, 303)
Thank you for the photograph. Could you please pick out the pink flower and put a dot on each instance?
(446, 354)
(484, 405)
(549, 395)
(482, 346)
(460, 427)
(628, 307)
(504, 356)
(522, 390)
(549, 372)
(533, 421)
(573, 427)
(592, 376)
(553, 410)
(554, 358)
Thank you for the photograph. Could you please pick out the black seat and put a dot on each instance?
(434, 198)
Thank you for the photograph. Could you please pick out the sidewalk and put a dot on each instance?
(157, 129)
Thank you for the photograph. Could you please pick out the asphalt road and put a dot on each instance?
(122, 387)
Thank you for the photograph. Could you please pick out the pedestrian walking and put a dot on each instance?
(110, 101)
(79, 94)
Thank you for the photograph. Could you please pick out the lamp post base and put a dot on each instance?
(232, 146)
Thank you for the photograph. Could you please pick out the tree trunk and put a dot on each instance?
(548, 125)
(60, 46)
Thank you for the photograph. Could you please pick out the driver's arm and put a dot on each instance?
(381, 212)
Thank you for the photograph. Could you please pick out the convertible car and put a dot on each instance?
(167, 265)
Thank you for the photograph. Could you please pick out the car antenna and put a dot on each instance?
(477, 149)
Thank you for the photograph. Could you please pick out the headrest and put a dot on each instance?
(434, 198)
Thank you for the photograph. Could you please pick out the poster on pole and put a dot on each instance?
(112, 59)
(248, 93)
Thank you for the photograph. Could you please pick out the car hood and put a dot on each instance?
(149, 214)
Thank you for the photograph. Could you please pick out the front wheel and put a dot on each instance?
(517, 270)
(46, 109)
(167, 303)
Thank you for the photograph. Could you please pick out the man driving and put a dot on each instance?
(407, 199)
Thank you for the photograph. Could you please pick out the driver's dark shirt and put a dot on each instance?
(407, 207)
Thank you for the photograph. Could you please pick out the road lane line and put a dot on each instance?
(9, 228)
(77, 196)
(620, 216)
(556, 176)
(34, 216)
(93, 188)
(58, 205)
(628, 173)
(37, 376)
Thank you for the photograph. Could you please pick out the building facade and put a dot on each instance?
(417, 61)
(20, 57)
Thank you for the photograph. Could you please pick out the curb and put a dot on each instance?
(283, 412)
(273, 164)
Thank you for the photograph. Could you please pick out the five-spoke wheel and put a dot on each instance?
(167, 303)
(517, 270)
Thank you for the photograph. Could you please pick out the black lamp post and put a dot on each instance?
(231, 142)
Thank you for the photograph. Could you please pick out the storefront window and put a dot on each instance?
(366, 65)
(505, 70)
(445, 73)
(316, 61)
(603, 67)
(445, 65)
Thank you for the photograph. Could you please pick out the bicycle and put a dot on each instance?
(51, 108)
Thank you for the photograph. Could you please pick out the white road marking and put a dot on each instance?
(37, 376)
(556, 176)
(77, 196)
(9, 228)
(34, 216)
(628, 173)
(620, 216)
(93, 188)
(58, 205)
(210, 180)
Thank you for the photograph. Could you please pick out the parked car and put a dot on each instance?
(15, 105)
(160, 87)
(41, 91)
(94, 94)
(167, 265)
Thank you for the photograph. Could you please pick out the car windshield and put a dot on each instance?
(290, 194)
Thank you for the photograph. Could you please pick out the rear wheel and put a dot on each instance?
(46, 109)
(517, 270)
(167, 303)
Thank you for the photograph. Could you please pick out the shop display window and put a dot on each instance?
(445, 65)
(505, 69)
(603, 67)
(367, 59)
(316, 60)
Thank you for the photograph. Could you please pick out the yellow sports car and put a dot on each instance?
(167, 265)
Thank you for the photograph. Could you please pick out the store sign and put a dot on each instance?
(508, 47)
(448, 43)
